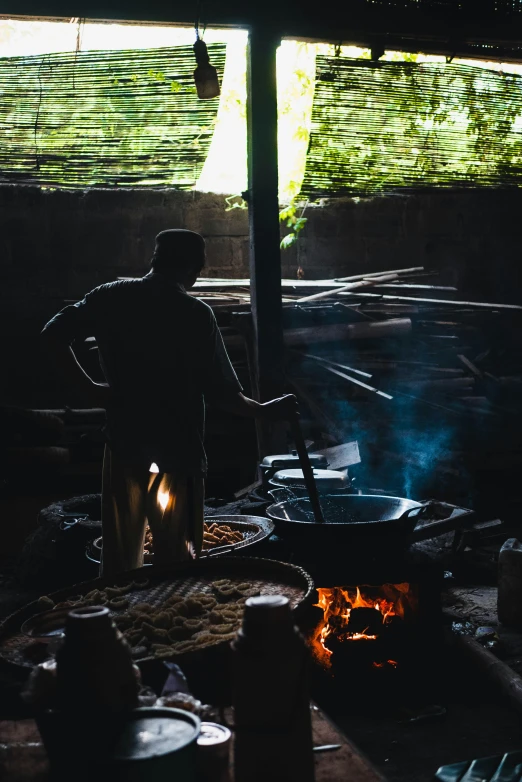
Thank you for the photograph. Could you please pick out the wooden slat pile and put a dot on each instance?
(430, 384)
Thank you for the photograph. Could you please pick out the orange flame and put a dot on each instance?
(391, 663)
(337, 603)
(163, 499)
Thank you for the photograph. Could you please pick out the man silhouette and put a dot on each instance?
(162, 355)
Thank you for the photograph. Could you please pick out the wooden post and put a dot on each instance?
(263, 207)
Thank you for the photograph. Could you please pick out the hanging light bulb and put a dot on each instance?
(205, 75)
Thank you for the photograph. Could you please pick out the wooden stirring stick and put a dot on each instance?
(308, 473)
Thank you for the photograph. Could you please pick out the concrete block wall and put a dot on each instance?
(473, 238)
(57, 245)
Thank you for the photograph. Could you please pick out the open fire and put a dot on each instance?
(367, 613)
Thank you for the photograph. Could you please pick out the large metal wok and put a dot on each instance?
(351, 517)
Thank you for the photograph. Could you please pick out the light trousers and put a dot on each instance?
(132, 496)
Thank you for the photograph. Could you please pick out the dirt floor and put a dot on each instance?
(413, 752)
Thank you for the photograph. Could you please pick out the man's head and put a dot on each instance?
(180, 254)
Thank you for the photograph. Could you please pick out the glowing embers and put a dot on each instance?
(375, 615)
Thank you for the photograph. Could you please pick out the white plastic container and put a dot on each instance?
(509, 605)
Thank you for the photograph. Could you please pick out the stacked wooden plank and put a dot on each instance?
(429, 383)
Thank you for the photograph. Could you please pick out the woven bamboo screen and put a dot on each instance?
(105, 118)
(378, 127)
(493, 8)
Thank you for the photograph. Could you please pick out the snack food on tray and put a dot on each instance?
(214, 534)
(176, 626)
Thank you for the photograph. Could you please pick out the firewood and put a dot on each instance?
(450, 384)
(414, 286)
(357, 382)
(470, 304)
(365, 620)
(398, 327)
(365, 283)
(379, 274)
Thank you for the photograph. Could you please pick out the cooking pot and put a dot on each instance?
(325, 480)
(375, 519)
(288, 461)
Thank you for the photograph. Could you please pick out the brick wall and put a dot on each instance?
(473, 238)
(57, 245)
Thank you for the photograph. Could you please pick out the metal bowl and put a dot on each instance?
(254, 529)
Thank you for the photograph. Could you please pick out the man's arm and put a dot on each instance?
(224, 391)
(283, 409)
(70, 371)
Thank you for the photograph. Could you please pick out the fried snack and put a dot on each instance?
(115, 591)
(148, 630)
(161, 635)
(181, 647)
(123, 622)
(119, 603)
(193, 625)
(224, 594)
(229, 616)
(173, 600)
(215, 534)
(177, 625)
(163, 619)
(221, 629)
(179, 634)
(250, 592)
(162, 651)
(195, 606)
(141, 608)
(215, 617)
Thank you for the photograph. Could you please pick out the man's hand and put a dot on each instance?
(285, 408)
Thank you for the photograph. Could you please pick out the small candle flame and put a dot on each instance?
(163, 499)
(154, 467)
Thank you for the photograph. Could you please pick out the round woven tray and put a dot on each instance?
(268, 576)
(253, 528)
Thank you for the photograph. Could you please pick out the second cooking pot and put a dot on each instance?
(326, 480)
(287, 461)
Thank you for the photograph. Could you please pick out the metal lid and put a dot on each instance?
(213, 734)
(284, 460)
(325, 479)
(150, 733)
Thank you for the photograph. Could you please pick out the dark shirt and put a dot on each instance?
(162, 354)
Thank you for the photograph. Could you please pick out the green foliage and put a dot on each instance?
(105, 118)
(381, 126)
(288, 240)
(288, 215)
